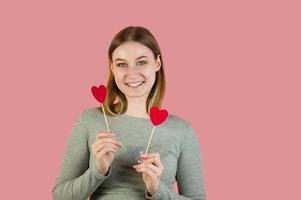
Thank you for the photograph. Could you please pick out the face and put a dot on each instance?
(134, 68)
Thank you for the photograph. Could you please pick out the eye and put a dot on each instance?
(142, 62)
(120, 64)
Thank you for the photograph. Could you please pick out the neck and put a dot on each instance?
(136, 107)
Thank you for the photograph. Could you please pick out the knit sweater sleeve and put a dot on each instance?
(189, 174)
(77, 180)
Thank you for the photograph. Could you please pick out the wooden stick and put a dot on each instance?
(150, 139)
(104, 114)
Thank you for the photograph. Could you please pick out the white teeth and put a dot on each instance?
(135, 84)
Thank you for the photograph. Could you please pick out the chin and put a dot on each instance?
(136, 95)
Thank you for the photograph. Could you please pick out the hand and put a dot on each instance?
(151, 169)
(103, 150)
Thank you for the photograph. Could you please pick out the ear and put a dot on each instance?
(158, 63)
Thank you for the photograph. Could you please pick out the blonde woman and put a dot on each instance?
(103, 165)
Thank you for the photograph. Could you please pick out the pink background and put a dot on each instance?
(233, 71)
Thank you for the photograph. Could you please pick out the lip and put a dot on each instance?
(127, 84)
(133, 82)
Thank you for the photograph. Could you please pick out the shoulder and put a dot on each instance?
(188, 138)
(183, 127)
(91, 113)
(178, 122)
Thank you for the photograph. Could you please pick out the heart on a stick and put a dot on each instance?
(158, 116)
(99, 93)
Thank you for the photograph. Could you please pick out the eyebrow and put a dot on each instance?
(125, 60)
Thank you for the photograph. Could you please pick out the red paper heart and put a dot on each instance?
(99, 93)
(158, 116)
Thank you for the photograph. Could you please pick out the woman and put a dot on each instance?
(103, 165)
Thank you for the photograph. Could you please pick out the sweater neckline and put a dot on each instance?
(132, 118)
(128, 117)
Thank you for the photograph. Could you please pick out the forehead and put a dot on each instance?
(131, 50)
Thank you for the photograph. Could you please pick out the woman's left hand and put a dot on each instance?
(151, 169)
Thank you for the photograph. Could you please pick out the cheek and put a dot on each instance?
(151, 75)
(118, 77)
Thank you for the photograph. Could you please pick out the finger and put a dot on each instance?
(148, 171)
(156, 170)
(149, 155)
(97, 145)
(107, 145)
(155, 156)
(104, 135)
(103, 141)
(104, 151)
(101, 146)
(108, 140)
(153, 160)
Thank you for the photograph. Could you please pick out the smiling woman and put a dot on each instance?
(102, 165)
(137, 75)
(136, 70)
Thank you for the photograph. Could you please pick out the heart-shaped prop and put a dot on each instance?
(158, 116)
(99, 93)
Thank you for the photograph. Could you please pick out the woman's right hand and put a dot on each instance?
(103, 150)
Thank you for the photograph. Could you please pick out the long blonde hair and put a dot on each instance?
(116, 102)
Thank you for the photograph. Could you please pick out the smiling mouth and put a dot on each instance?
(135, 84)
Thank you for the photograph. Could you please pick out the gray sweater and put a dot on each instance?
(175, 140)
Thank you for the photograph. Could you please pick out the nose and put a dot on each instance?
(132, 70)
